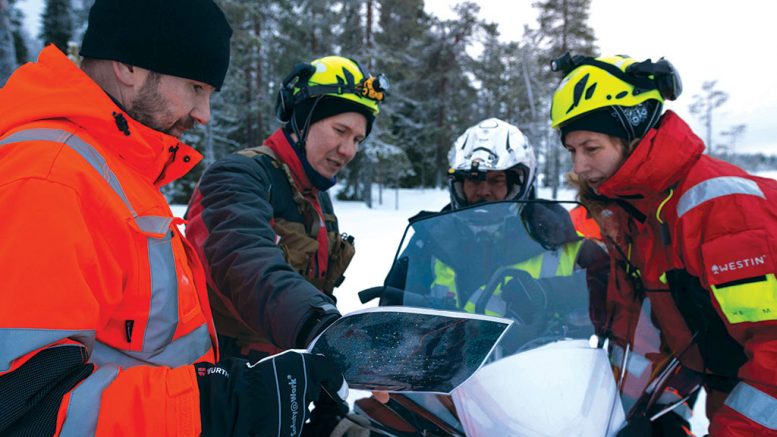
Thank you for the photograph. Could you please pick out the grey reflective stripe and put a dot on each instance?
(163, 307)
(550, 261)
(84, 406)
(154, 224)
(182, 351)
(15, 343)
(754, 404)
(79, 146)
(716, 187)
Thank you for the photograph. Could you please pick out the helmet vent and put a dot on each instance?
(578, 92)
(590, 91)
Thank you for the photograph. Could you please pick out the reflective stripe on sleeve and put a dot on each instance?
(754, 404)
(15, 343)
(84, 406)
(716, 187)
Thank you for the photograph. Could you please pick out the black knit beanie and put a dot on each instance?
(328, 106)
(627, 122)
(184, 38)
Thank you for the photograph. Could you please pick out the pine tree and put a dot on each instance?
(449, 95)
(7, 49)
(563, 27)
(402, 29)
(21, 38)
(704, 105)
(57, 24)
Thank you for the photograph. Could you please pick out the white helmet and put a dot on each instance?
(492, 145)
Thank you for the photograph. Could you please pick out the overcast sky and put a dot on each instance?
(727, 41)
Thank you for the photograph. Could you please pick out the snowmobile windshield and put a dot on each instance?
(573, 362)
(550, 374)
(521, 260)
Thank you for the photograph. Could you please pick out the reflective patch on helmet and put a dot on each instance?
(748, 301)
(636, 115)
(320, 66)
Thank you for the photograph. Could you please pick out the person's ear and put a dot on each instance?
(128, 75)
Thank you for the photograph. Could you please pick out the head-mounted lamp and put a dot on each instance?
(646, 75)
(374, 87)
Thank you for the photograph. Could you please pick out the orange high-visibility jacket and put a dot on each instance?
(91, 257)
(584, 223)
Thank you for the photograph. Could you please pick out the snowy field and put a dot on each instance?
(378, 231)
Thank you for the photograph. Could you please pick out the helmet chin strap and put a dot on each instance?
(302, 137)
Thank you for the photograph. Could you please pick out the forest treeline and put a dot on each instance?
(446, 74)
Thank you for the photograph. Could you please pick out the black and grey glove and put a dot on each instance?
(266, 398)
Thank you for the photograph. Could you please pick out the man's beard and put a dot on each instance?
(151, 109)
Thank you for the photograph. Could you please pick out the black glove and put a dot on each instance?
(524, 297)
(266, 398)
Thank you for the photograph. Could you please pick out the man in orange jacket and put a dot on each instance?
(105, 327)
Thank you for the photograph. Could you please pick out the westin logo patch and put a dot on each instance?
(738, 264)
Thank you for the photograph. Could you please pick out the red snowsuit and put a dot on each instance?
(702, 234)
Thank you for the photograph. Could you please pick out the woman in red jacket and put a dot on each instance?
(696, 234)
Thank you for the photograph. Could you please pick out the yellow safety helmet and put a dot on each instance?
(617, 82)
(334, 76)
(345, 78)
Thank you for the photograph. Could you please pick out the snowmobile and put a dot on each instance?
(559, 370)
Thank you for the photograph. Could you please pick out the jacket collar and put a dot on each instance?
(280, 143)
(658, 162)
(55, 88)
(305, 176)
